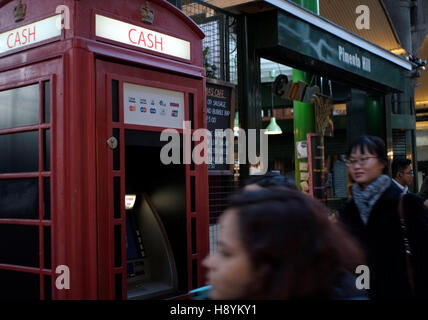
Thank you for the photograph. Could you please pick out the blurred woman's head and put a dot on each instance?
(278, 244)
(269, 179)
(367, 159)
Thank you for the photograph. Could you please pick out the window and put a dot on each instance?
(19, 107)
(25, 187)
(20, 152)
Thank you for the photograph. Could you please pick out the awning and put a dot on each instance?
(295, 36)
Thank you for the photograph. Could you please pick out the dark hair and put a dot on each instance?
(272, 179)
(399, 164)
(296, 250)
(373, 145)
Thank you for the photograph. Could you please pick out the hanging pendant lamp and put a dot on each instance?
(236, 121)
(273, 127)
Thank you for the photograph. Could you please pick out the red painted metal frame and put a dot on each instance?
(77, 193)
(13, 80)
(310, 164)
(107, 73)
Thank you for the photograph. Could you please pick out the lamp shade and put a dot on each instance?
(236, 121)
(273, 127)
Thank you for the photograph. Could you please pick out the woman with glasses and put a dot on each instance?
(372, 216)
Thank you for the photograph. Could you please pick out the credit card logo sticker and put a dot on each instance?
(152, 106)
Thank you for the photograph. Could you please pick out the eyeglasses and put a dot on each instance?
(362, 161)
(409, 173)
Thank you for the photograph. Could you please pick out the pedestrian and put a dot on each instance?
(372, 215)
(402, 173)
(277, 243)
(269, 179)
(423, 193)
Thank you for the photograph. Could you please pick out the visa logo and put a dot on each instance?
(153, 110)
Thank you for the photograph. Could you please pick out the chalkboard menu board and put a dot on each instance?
(220, 113)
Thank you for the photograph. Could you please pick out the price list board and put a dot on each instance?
(220, 115)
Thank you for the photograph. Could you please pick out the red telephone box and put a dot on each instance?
(86, 88)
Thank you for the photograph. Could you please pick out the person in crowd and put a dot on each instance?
(402, 173)
(423, 193)
(277, 243)
(372, 215)
(269, 179)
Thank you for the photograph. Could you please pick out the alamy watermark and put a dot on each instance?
(363, 280)
(202, 153)
(363, 20)
(63, 22)
(63, 280)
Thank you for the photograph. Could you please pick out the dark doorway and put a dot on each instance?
(156, 225)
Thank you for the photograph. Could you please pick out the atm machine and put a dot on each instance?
(156, 236)
(150, 261)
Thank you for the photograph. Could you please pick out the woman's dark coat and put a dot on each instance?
(382, 240)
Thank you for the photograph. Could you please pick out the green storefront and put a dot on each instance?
(367, 81)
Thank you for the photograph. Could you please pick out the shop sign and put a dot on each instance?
(219, 116)
(30, 34)
(323, 50)
(354, 59)
(151, 106)
(136, 36)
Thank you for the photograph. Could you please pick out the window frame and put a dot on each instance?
(43, 225)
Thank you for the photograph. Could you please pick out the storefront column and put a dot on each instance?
(249, 90)
(304, 121)
(304, 115)
(375, 116)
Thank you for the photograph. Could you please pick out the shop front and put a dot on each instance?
(87, 208)
(345, 87)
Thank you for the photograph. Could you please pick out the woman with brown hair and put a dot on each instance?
(279, 244)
